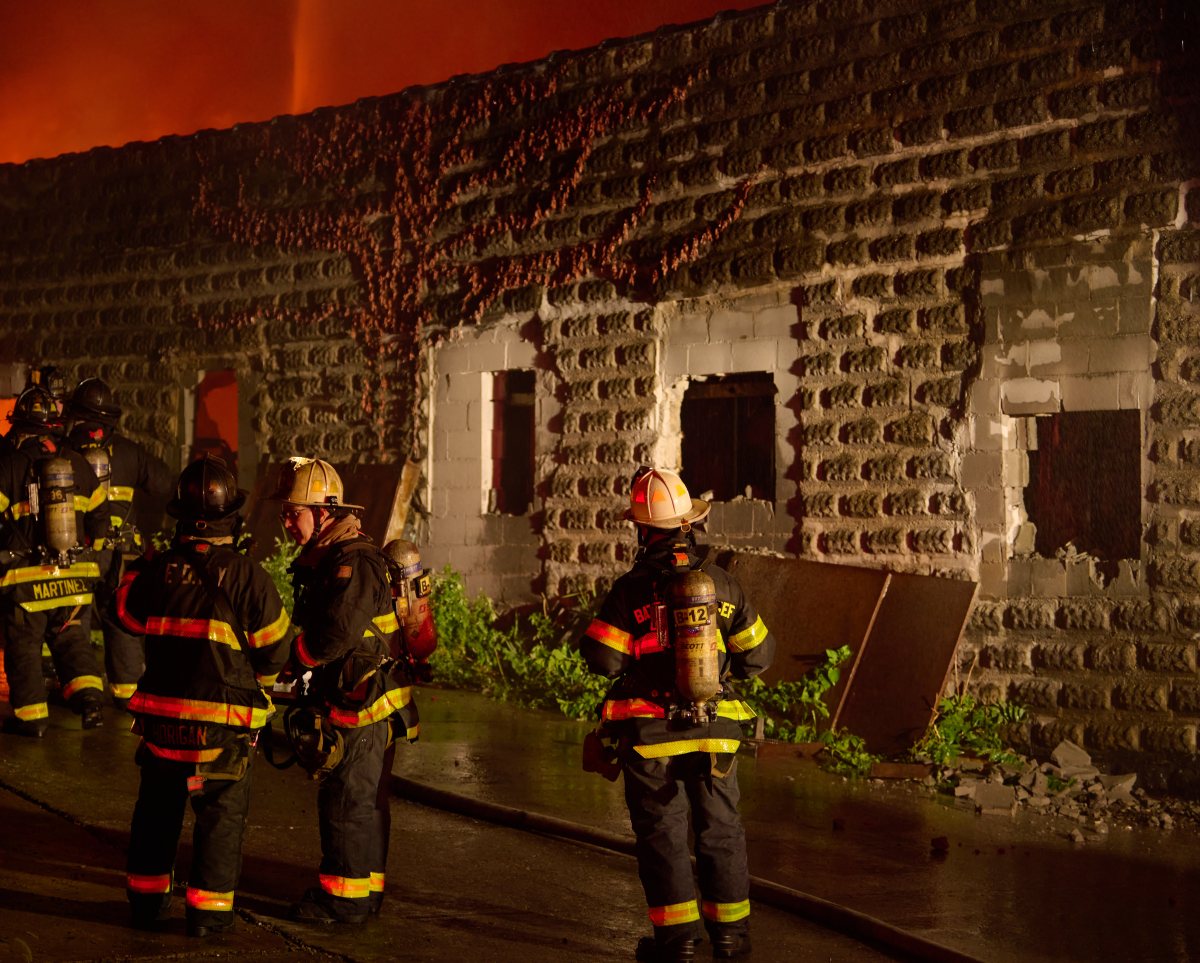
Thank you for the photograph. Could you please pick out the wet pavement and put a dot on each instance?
(463, 888)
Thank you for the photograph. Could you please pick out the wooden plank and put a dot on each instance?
(810, 607)
(906, 660)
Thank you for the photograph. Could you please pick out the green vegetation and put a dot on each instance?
(963, 725)
(532, 663)
(277, 567)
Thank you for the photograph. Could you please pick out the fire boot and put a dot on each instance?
(649, 950)
(205, 923)
(91, 714)
(730, 944)
(316, 907)
(33, 728)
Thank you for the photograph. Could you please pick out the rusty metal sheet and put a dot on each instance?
(810, 607)
(906, 659)
(376, 487)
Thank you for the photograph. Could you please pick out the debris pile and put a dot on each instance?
(1069, 786)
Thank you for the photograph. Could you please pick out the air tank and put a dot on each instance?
(692, 599)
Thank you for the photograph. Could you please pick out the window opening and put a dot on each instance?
(1085, 484)
(215, 417)
(728, 424)
(512, 442)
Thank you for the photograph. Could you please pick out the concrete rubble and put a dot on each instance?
(1069, 786)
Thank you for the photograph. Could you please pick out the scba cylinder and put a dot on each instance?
(56, 497)
(411, 590)
(692, 599)
(98, 459)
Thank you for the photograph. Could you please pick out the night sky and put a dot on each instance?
(75, 74)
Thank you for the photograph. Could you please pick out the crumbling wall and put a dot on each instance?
(868, 194)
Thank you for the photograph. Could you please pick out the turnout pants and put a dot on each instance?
(660, 793)
(66, 631)
(355, 821)
(220, 806)
(124, 654)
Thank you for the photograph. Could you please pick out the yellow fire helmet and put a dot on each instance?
(311, 482)
(660, 499)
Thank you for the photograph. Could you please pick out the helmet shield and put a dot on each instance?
(206, 490)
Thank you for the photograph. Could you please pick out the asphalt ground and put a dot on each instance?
(464, 884)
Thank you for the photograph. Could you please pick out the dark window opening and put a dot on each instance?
(1085, 485)
(728, 424)
(512, 442)
(215, 417)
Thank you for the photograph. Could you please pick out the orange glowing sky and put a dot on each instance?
(76, 74)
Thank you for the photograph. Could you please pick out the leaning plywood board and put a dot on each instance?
(810, 607)
(906, 660)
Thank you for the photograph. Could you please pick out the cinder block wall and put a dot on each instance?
(895, 186)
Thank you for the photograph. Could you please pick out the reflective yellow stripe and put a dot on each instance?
(377, 882)
(204, 899)
(184, 755)
(58, 603)
(81, 682)
(747, 639)
(674, 914)
(37, 710)
(43, 573)
(348, 888)
(385, 624)
(88, 503)
(617, 709)
(381, 708)
(120, 493)
(148, 884)
(611, 636)
(735, 709)
(412, 733)
(687, 745)
(272, 633)
(123, 690)
(21, 510)
(726, 912)
(220, 713)
(4, 502)
(211, 629)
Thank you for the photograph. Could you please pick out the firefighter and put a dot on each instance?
(360, 695)
(216, 636)
(92, 416)
(53, 509)
(676, 748)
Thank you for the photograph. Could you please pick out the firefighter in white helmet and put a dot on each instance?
(676, 723)
(359, 692)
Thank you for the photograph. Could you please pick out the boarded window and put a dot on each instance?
(512, 442)
(215, 417)
(728, 424)
(1085, 483)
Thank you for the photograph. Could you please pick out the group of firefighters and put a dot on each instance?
(197, 641)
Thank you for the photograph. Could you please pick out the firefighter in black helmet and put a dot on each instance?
(216, 637)
(677, 740)
(362, 693)
(53, 510)
(133, 477)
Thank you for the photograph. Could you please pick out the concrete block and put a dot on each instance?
(688, 328)
(1016, 468)
(1091, 393)
(1134, 315)
(1126, 353)
(756, 355)
(675, 362)
(729, 325)
(709, 359)
(995, 799)
(1030, 396)
(452, 358)
(1090, 320)
(464, 446)
(1022, 323)
(1049, 577)
(982, 470)
(1004, 361)
(464, 386)
(1135, 390)
(1052, 359)
(993, 580)
(776, 322)
(487, 355)
(991, 508)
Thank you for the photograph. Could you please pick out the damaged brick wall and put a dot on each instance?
(846, 180)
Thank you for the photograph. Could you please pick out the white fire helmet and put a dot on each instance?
(660, 499)
(311, 482)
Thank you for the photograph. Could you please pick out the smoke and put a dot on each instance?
(76, 74)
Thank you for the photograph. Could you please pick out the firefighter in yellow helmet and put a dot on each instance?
(670, 632)
(216, 636)
(358, 689)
